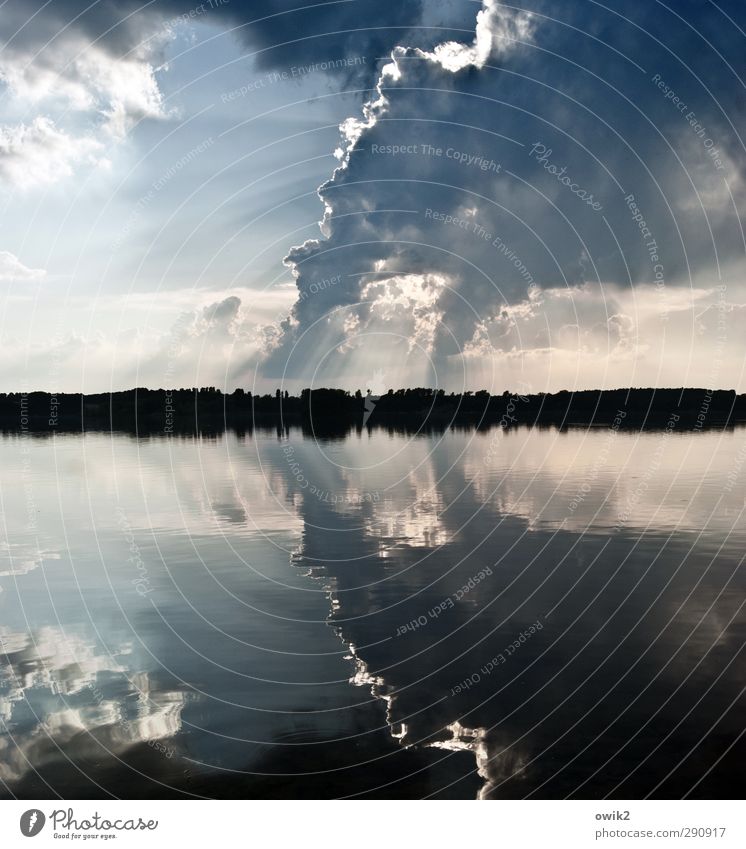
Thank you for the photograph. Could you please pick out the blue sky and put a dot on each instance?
(546, 195)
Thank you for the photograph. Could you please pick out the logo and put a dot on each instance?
(32, 822)
(376, 389)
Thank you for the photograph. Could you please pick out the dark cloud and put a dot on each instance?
(286, 33)
(115, 26)
(577, 147)
(282, 33)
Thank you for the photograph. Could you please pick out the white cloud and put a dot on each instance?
(171, 338)
(73, 98)
(125, 90)
(11, 268)
(39, 153)
(497, 30)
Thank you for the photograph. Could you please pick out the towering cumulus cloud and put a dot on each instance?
(378, 280)
(547, 189)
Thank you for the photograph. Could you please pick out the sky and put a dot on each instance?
(532, 197)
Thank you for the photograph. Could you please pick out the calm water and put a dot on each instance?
(502, 614)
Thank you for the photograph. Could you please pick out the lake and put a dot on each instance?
(496, 614)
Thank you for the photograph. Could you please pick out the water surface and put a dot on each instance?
(504, 614)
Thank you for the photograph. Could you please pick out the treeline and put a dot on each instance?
(338, 411)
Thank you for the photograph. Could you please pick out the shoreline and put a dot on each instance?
(338, 412)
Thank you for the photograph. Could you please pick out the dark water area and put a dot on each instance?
(497, 614)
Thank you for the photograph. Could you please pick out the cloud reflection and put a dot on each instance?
(57, 687)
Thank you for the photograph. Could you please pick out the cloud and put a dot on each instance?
(538, 156)
(167, 339)
(479, 212)
(497, 30)
(284, 34)
(75, 84)
(39, 153)
(79, 76)
(12, 269)
(87, 690)
(280, 34)
(383, 229)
